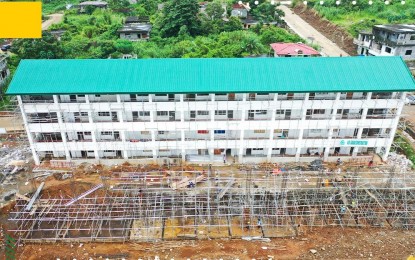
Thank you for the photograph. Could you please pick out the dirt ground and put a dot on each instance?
(330, 243)
(331, 31)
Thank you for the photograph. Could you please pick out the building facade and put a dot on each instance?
(211, 109)
(388, 40)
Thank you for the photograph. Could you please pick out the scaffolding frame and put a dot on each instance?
(141, 205)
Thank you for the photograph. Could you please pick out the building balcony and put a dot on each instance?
(105, 120)
(43, 120)
(258, 119)
(41, 140)
(167, 120)
(314, 117)
(138, 140)
(109, 140)
(34, 99)
(196, 119)
(380, 116)
(139, 119)
(349, 116)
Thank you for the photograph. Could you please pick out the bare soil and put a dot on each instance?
(330, 243)
(333, 32)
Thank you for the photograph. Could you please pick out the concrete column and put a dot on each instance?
(212, 130)
(94, 141)
(211, 143)
(330, 133)
(29, 134)
(183, 145)
(394, 126)
(329, 138)
(153, 142)
(61, 127)
(124, 142)
(182, 108)
(182, 132)
(93, 134)
(63, 134)
(301, 128)
(242, 128)
(355, 151)
(271, 131)
(150, 100)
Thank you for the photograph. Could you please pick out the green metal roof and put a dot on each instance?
(235, 75)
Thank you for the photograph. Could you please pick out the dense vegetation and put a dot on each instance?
(179, 30)
(362, 15)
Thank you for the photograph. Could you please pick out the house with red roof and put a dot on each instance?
(283, 49)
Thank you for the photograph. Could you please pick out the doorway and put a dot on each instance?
(249, 151)
(230, 114)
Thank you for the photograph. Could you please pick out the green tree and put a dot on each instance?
(77, 46)
(252, 45)
(118, 4)
(272, 34)
(214, 10)
(149, 5)
(124, 46)
(234, 24)
(47, 47)
(177, 13)
(89, 31)
(267, 12)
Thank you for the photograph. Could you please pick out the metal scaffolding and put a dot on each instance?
(162, 205)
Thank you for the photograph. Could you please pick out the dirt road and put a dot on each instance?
(307, 32)
(53, 19)
(321, 243)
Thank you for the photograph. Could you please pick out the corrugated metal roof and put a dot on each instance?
(322, 74)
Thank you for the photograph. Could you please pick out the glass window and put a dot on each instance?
(103, 113)
(280, 111)
(144, 113)
(203, 113)
(220, 112)
(162, 113)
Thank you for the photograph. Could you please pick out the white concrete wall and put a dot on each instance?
(182, 137)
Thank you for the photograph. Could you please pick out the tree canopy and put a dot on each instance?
(178, 13)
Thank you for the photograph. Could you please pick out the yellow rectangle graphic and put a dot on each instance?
(20, 19)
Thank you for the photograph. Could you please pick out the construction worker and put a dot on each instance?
(259, 223)
(339, 161)
(342, 209)
(370, 163)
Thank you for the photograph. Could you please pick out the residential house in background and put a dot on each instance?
(4, 71)
(388, 40)
(135, 29)
(283, 49)
(96, 4)
(239, 11)
(57, 33)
